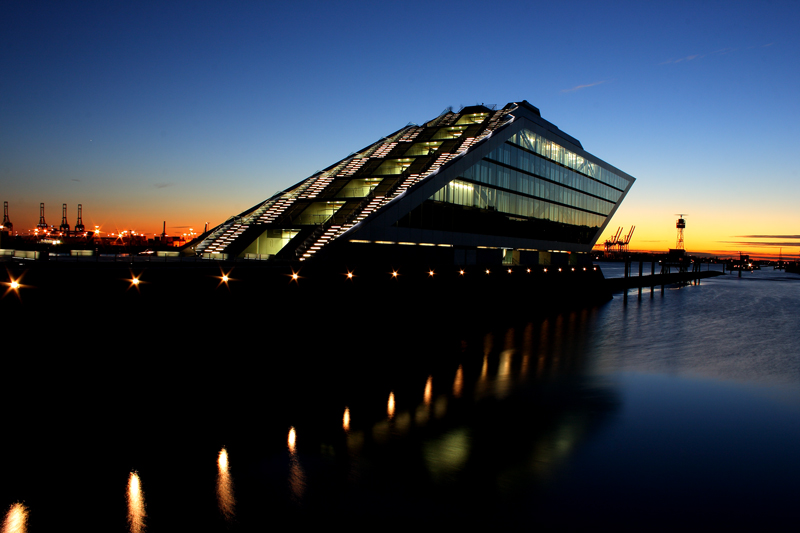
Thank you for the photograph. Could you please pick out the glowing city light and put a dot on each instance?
(346, 419)
(291, 441)
(487, 271)
(394, 273)
(430, 273)
(390, 405)
(461, 272)
(13, 285)
(349, 275)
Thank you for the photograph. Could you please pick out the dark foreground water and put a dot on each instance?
(677, 410)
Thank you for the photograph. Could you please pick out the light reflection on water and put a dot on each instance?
(136, 510)
(428, 390)
(297, 476)
(16, 519)
(458, 382)
(390, 405)
(225, 498)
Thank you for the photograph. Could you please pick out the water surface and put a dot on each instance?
(679, 409)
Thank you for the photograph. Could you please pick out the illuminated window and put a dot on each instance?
(452, 132)
(318, 212)
(394, 166)
(426, 148)
(358, 188)
(271, 241)
(473, 118)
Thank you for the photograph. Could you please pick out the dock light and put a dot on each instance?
(461, 272)
(224, 277)
(559, 269)
(430, 273)
(13, 285)
(509, 271)
(545, 270)
(135, 281)
(529, 271)
(487, 271)
(349, 275)
(394, 273)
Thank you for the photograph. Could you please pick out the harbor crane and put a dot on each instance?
(79, 227)
(618, 244)
(42, 225)
(64, 227)
(7, 225)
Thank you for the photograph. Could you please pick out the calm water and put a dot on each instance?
(676, 410)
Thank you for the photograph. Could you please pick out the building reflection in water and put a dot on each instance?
(136, 512)
(541, 366)
(16, 520)
(536, 370)
(297, 477)
(225, 498)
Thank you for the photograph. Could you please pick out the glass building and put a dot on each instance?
(477, 186)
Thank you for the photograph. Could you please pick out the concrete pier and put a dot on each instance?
(633, 282)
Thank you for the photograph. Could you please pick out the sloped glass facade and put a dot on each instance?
(479, 177)
(526, 186)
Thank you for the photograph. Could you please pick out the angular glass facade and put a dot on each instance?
(479, 178)
(531, 179)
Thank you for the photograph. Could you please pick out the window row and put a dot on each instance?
(474, 195)
(499, 176)
(510, 155)
(550, 150)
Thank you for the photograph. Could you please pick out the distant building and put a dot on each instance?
(477, 186)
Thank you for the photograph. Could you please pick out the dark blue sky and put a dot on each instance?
(192, 111)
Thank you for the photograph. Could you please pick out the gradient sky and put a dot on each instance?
(191, 112)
